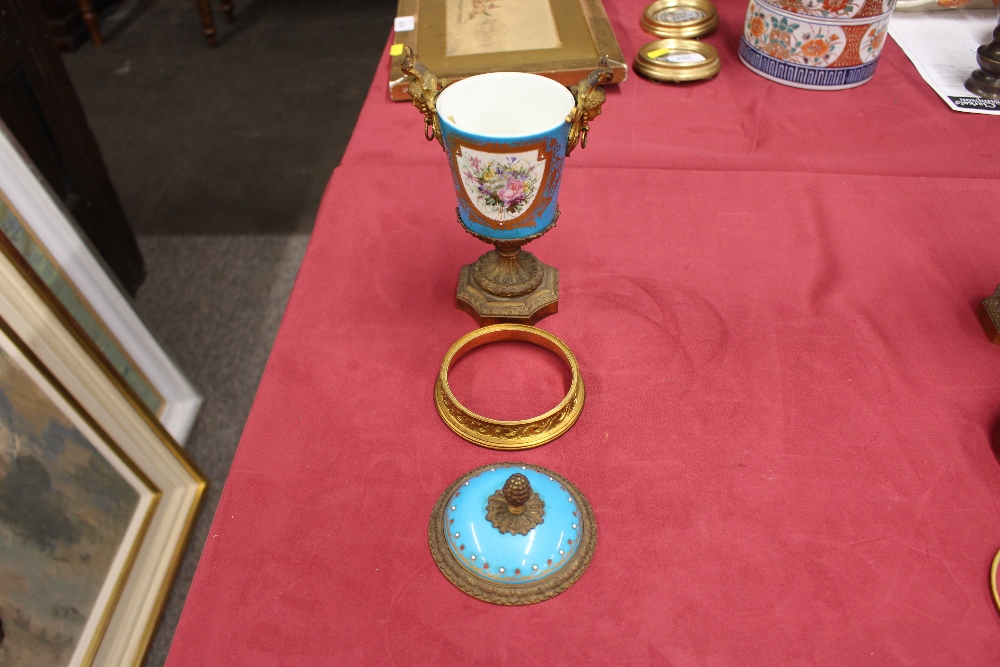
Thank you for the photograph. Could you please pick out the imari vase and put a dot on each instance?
(815, 44)
(506, 135)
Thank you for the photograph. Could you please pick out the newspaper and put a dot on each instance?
(942, 46)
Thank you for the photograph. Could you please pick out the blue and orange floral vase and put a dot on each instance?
(815, 44)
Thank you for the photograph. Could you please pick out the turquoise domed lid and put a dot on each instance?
(512, 533)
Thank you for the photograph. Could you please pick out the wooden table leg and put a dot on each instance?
(227, 9)
(207, 21)
(90, 19)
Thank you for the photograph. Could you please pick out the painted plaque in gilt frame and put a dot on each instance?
(97, 501)
(560, 39)
(35, 224)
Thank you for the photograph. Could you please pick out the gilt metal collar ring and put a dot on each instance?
(509, 435)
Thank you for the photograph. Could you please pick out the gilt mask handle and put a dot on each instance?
(423, 90)
(589, 98)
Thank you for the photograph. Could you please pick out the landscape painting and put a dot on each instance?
(71, 513)
(491, 26)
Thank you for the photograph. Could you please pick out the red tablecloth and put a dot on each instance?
(792, 414)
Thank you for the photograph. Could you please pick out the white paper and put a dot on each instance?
(494, 26)
(942, 46)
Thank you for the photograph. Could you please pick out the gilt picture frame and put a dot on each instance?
(97, 501)
(37, 226)
(455, 39)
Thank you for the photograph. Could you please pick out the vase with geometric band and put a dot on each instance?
(815, 44)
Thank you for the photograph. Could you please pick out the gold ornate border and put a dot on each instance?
(522, 240)
(512, 594)
(509, 435)
(546, 151)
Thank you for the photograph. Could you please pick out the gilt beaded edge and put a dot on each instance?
(517, 594)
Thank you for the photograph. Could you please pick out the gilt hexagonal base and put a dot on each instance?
(528, 308)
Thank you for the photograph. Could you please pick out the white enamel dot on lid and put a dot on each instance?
(505, 104)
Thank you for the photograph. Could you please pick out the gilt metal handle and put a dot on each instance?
(589, 98)
(424, 90)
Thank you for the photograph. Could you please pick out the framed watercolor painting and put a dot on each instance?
(34, 223)
(560, 39)
(96, 499)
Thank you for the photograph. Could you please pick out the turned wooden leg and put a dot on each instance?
(227, 10)
(90, 19)
(207, 21)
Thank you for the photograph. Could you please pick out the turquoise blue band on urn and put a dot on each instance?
(507, 187)
(506, 136)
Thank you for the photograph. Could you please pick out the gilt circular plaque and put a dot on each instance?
(687, 19)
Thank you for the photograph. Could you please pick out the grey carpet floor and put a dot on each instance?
(216, 303)
(234, 140)
(220, 158)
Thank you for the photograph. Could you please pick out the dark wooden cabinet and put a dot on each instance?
(40, 106)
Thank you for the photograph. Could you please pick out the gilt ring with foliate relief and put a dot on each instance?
(509, 435)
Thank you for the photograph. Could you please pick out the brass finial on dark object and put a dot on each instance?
(985, 81)
(515, 508)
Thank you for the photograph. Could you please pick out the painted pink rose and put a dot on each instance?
(513, 191)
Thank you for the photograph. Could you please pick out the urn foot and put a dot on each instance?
(508, 271)
(528, 308)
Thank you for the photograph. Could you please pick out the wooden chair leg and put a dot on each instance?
(227, 10)
(90, 19)
(207, 21)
